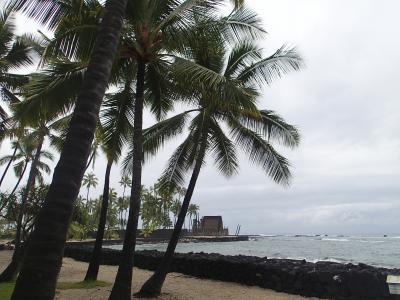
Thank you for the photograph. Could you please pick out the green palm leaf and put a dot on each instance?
(265, 71)
(272, 127)
(261, 153)
(223, 151)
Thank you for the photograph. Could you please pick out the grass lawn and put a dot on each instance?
(7, 288)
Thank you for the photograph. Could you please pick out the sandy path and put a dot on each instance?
(177, 286)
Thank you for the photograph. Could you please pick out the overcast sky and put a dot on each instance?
(346, 104)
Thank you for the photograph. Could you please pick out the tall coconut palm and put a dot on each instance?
(116, 118)
(156, 28)
(124, 182)
(36, 140)
(89, 180)
(159, 31)
(253, 130)
(42, 262)
(26, 152)
(10, 159)
(192, 211)
(175, 208)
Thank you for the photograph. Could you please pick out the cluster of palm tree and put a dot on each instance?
(104, 66)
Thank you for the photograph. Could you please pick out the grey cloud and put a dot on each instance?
(346, 104)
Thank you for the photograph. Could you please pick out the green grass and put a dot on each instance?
(7, 288)
(81, 285)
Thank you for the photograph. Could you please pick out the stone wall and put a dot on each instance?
(324, 280)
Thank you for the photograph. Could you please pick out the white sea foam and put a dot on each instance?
(371, 242)
(335, 240)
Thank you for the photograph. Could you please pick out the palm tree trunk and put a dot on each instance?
(121, 218)
(122, 285)
(19, 180)
(9, 164)
(94, 264)
(152, 287)
(90, 160)
(43, 258)
(87, 197)
(13, 268)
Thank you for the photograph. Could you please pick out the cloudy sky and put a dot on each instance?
(346, 104)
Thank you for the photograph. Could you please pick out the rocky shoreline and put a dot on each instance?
(326, 280)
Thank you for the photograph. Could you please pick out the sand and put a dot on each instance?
(177, 286)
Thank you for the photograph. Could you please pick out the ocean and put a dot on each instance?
(376, 251)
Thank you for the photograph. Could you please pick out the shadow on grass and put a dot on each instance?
(7, 287)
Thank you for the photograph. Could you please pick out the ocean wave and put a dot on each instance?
(328, 259)
(267, 235)
(371, 242)
(335, 240)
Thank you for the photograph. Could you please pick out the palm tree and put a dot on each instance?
(175, 208)
(36, 140)
(15, 52)
(238, 75)
(8, 159)
(26, 152)
(159, 31)
(42, 262)
(89, 180)
(192, 210)
(115, 127)
(157, 28)
(124, 182)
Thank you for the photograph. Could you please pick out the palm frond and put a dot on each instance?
(182, 11)
(261, 153)
(47, 12)
(156, 136)
(240, 24)
(241, 56)
(223, 151)
(283, 61)
(19, 55)
(272, 127)
(19, 167)
(174, 173)
(51, 92)
(160, 93)
(116, 119)
(75, 35)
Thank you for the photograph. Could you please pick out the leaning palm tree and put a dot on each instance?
(238, 75)
(42, 262)
(35, 140)
(24, 156)
(9, 159)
